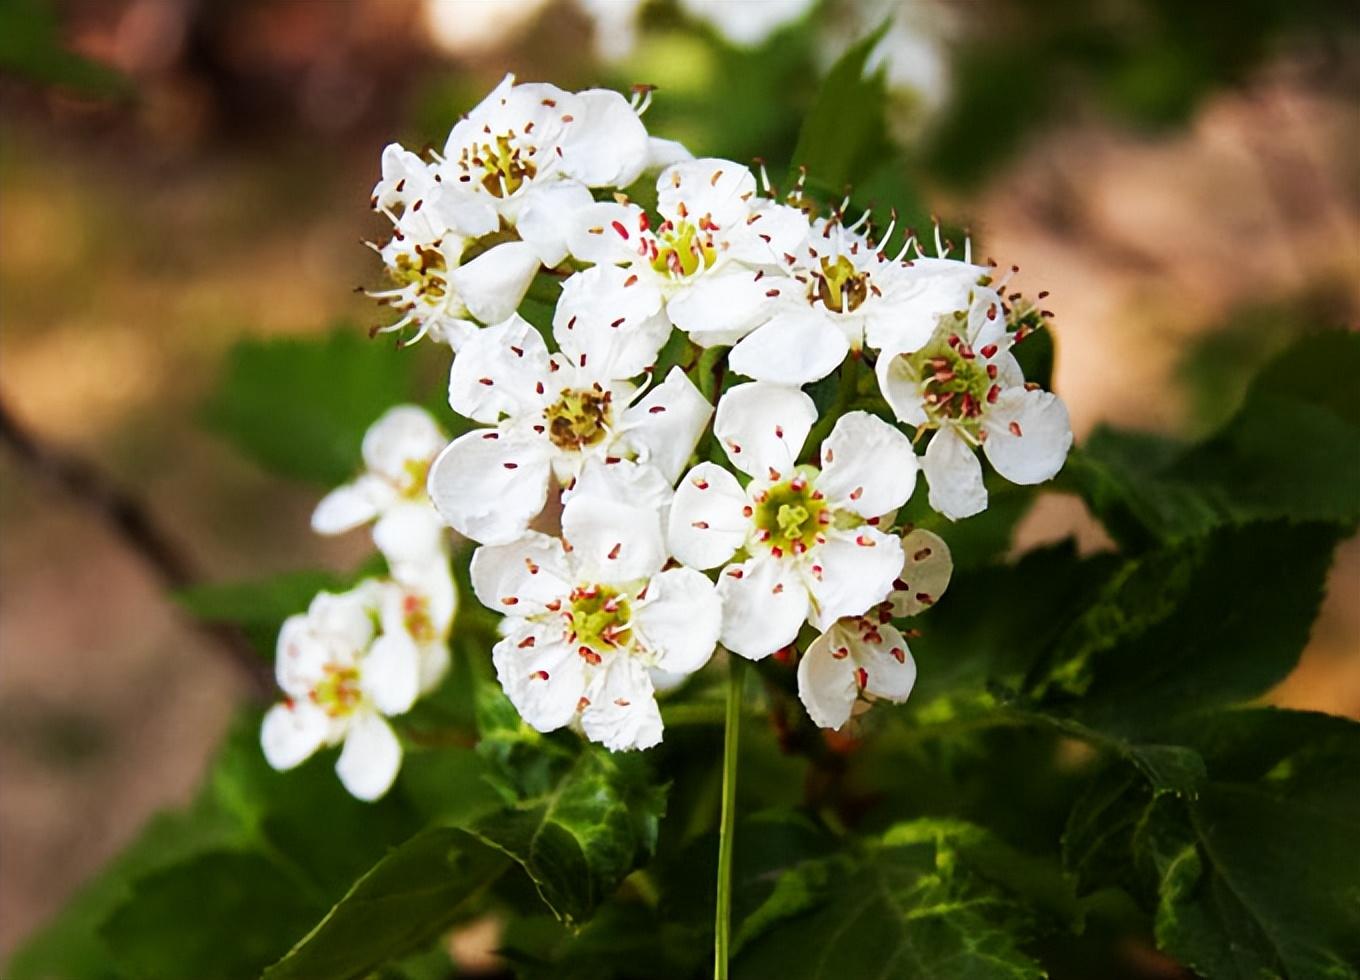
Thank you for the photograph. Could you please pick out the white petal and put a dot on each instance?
(764, 606)
(613, 543)
(434, 665)
(493, 284)
(371, 757)
(292, 732)
(680, 620)
(549, 214)
(660, 152)
(403, 435)
(521, 577)
(411, 532)
(665, 425)
(857, 571)
(490, 485)
(747, 24)
(543, 677)
(606, 233)
(916, 297)
(793, 348)
(624, 482)
(1028, 435)
(609, 320)
(771, 232)
(710, 187)
(706, 524)
(622, 713)
(868, 466)
(390, 673)
(763, 427)
(900, 390)
(606, 144)
(954, 476)
(348, 506)
(344, 618)
(499, 371)
(987, 320)
(926, 569)
(720, 307)
(826, 679)
(880, 650)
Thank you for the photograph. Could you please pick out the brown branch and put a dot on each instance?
(130, 520)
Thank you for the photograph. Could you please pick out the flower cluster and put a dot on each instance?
(631, 517)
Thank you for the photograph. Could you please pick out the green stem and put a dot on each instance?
(845, 394)
(722, 926)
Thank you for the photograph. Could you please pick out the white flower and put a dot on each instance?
(813, 548)
(747, 23)
(704, 260)
(965, 384)
(342, 679)
(863, 658)
(421, 603)
(553, 413)
(840, 292)
(588, 622)
(397, 451)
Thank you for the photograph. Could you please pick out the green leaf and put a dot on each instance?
(1290, 452)
(845, 131)
(579, 841)
(930, 898)
(223, 914)
(399, 906)
(1255, 875)
(300, 407)
(1204, 622)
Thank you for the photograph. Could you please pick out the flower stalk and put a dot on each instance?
(722, 926)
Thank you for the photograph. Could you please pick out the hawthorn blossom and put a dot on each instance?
(513, 173)
(840, 291)
(397, 451)
(865, 658)
(807, 541)
(591, 616)
(744, 23)
(342, 679)
(421, 602)
(965, 384)
(705, 260)
(551, 414)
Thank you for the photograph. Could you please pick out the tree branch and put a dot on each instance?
(129, 519)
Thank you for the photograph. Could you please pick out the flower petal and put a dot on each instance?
(548, 215)
(613, 543)
(954, 476)
(606, 233)
(927, 567)
(1028, 435)
(493, 284)
(665, 425)
(609, 320)
(490, 485)
(764, 606)
(390, 673)
(404, 434)
(763, 427)
(499, 371)
(292, 732)
(826, 678)
(624, 481)
(410, 533)
(369, 762)
(679, 621)
(712, 188)
(868, 466)
(707, 524)
(352, 504)
(606, 144)
(916, 297)
(900, 389)
(881, 652)
(857, 570)
(521, 577)
(720, 307)
(543, 677)
(768, 234)
(622, 713)
(794, 347)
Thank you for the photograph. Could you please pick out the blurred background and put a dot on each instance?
(178, 174)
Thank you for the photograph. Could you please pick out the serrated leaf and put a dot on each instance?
(845, 131)
(175, 922)
(300, 407)
(579, 841)
(396, 908)
(917, 903)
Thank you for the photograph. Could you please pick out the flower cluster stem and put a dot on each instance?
(722, 926)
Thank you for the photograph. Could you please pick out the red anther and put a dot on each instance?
(864, 541)
(511, 466)
(824, 518)
(631, 280)
(486, 381)
(541, 675)
(538, 387)
(925, 598)
(526, 643)
(614, 323)
(900, 585)
(993, 393)
(618, 227)
(510, 600)
(643, 221)
(777, 552)
(989, 350)
(553, 606)
(763, 535)
(735, 573)
(656, 409)
(856, 493)
(614, 552)
(700, 483)
(828, 455)
(991, 371)
(799, 547)
(817, 572)
(861, 677)
(622, 702)
(733, 447)
(840, 653)
(701, 525)
(589, 656)
(797, 484)
(784, 655)
(1015, 429)
(531, 565)
(774, 474)
(778, 586)
(518, 351)
(747, 511)
(583, 704)
(954, 340)
(779, 432)
(899, 654)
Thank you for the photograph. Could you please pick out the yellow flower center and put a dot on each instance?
(956, 381)
(682, 250)
(599, 621)
(504, 169)
(841, 287)
(578, 419)
(789, 517)
(426, 270)
(338, 692)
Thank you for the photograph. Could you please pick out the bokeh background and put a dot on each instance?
(178, 174)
